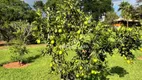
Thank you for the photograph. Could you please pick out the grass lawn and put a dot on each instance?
(39, 67)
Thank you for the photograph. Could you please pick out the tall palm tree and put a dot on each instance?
(126, 10)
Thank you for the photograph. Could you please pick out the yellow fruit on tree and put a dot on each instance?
(86, 22)
(52, 41)
(93, 72)
(77, 75)
(76, 60)
(95, 60)
(38, 41)
(60, 52)
(82, 74)
(51, 64)
(128, 61)
(80, 67)
(78, 32)
(60, 30)
(140, 49)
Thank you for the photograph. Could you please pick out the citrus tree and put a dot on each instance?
(70, 29)
(39, 30)
(21, 30)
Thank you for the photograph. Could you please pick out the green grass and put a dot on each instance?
(37, 70)
(128, 71)
(39, 67)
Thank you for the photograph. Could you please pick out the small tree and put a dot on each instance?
(22, 31)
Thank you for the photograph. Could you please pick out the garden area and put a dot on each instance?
(69, 40)
(39, 67)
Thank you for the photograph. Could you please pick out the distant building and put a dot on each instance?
(123, 22)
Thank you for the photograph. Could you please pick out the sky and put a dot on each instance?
(115, 3)
(31, 2)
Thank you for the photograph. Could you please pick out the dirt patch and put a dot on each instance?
(15, 65)
(36, 45)
(139, 58)
(2, 43)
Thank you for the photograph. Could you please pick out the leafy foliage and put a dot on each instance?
(93, 7)
(69, 28)
(97, 8)
(110, 17)
(38, 4)
(126, 10)
(13, 10)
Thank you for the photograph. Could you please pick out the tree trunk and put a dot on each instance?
(127, 23)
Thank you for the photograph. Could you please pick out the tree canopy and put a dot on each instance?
(126, 10)
(96, 7)
(13, 10)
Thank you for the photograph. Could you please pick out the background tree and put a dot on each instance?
(110, 17)
(96, 7)
(126, 10)
(14, 10)
(138, 12)
(39, 4)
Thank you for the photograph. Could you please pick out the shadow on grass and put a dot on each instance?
(119, 71)
(31, 59)
(27, 60)
(113, 70)
(1, 64)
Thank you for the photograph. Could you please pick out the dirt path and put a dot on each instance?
(15, 65)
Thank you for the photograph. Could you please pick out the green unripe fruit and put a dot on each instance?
(63, 71)
(129, 29)
(51, 37)
(111, 39)
(56, 30)
(34, 22)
